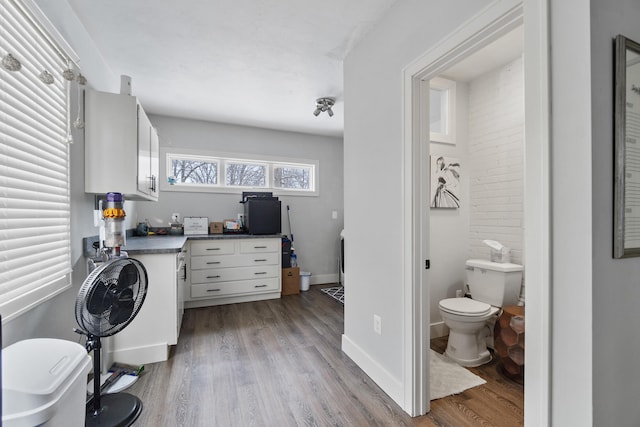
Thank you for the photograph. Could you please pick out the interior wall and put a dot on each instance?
(374, 161)
(316, 234)
(449, 228)
(616, 290)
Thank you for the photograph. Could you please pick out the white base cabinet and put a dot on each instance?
(148, 337)
(224, 271)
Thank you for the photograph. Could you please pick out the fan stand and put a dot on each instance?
(116, 409)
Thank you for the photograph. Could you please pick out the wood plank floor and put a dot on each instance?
(279, 363)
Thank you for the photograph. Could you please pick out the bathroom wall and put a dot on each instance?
(449, 228)
(496, 160)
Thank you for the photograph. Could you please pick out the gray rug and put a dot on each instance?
(447, 377)
(336, 292)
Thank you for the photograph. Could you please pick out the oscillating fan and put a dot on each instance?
(110, 297)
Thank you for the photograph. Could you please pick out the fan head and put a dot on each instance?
(111, 296)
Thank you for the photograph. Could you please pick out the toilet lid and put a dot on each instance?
(465, 306)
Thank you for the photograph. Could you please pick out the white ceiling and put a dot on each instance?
(249, 62)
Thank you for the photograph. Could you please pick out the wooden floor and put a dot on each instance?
(279, 363)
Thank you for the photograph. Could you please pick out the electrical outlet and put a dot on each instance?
(377, 324)
(334, 214)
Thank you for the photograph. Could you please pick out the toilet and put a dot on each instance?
(492, 285)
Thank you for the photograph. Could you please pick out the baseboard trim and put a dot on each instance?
(321, 279)
(387, 382)
(438, 329)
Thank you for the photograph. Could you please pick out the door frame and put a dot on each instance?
(492, 22)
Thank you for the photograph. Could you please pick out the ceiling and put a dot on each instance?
(248, 62)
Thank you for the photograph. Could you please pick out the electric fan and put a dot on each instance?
(110, 297)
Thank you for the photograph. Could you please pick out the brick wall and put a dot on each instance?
(495, 163)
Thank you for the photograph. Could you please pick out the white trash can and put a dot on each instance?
(44, 382)
(305, 280)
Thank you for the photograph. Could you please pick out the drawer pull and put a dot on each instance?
(260, 286)
(213, 262)
(213, 290)
(259, 247)
(213, 249)
(260, 272)
(213, 277)
(259, 260)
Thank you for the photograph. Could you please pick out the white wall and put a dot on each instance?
(496, 160)
(373, 156)
(316, 233)
(449, 228)
(616, 283)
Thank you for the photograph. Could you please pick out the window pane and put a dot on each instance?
(246, 175)
(292, 177)
(190, 171)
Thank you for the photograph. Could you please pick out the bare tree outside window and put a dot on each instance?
(188, 171)
(245, 175)
(291, 177)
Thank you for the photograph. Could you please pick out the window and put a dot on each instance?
(190, 171)
(442, 96)
(34, 164)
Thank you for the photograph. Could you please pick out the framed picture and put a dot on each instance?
(445, 182)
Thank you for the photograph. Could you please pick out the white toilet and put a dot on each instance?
(492, 285)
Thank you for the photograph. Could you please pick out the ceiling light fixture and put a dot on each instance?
(324, 104)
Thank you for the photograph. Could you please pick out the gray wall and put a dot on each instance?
(616, 287)
(316, 233)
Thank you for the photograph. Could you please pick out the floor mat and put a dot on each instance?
(336, 292)
(447, 377)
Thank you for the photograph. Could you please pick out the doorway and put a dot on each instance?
(497, 20)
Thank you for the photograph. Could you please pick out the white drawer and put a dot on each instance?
(212, 290)
(237, 273)
(249, 246)
(245, 260)
(213, 247)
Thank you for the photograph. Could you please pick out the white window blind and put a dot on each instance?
(35, 259)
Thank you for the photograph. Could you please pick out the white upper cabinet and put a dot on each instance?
(121, 147)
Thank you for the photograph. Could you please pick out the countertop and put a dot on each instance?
(162, 244)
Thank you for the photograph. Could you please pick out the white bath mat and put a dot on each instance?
(447, 377)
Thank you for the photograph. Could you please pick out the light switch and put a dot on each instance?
(334, 214)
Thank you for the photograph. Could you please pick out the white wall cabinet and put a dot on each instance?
(234, 270)
(121, 147)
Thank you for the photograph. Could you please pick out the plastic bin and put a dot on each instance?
(305, 280)
(44, 382)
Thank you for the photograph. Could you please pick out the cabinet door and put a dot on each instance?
(144, 152)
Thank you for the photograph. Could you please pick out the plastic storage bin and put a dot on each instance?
(305, 279)
(44, 382)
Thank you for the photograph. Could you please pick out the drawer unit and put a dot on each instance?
(213, 247)
(216, 261)
(225, 271)
(238, 273)
(210, 290)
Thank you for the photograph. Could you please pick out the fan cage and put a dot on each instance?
(115, 289)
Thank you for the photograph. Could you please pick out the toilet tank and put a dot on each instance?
(494, 283)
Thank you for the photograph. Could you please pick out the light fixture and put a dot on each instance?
(324, 104)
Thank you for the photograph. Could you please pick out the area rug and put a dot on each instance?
(447, 377)
(336, 292)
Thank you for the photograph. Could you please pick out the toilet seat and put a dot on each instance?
(465, 307)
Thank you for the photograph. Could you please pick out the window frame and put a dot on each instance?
(170, 153)
(449, 87)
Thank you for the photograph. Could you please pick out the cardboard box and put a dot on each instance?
(215, 227)
(291, 281)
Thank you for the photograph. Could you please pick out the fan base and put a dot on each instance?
(117, 410)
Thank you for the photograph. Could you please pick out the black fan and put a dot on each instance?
(110, 297)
